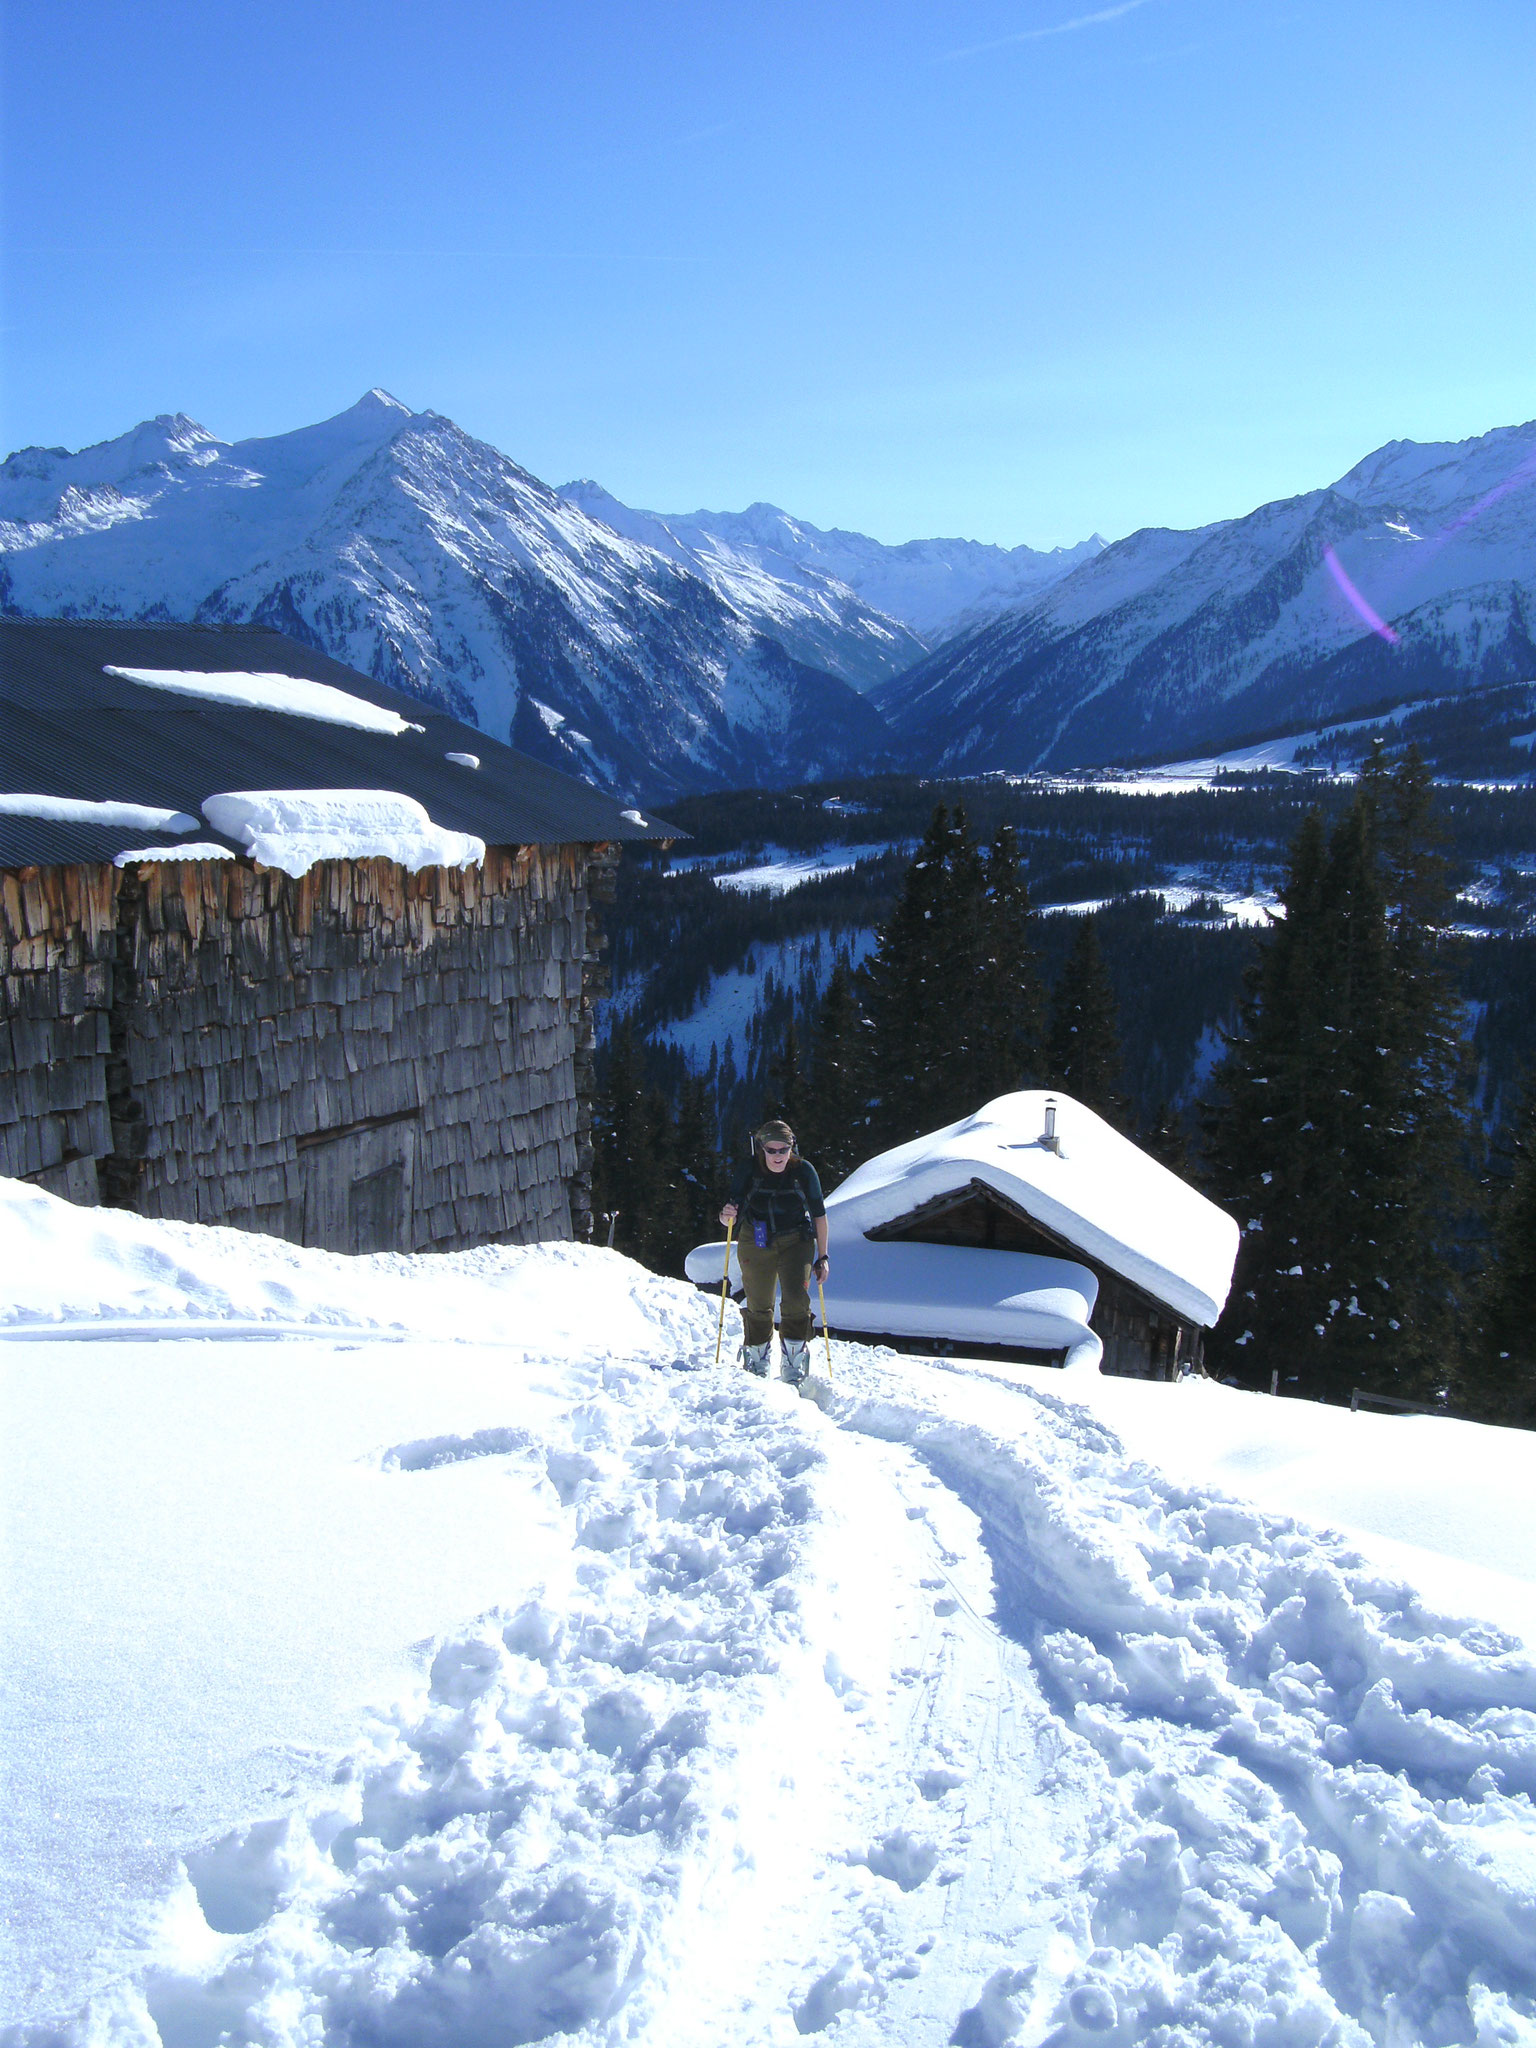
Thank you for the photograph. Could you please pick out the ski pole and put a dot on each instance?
(725, 1285)
(826, 1335)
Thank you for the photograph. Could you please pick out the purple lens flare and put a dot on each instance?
(1360, 605)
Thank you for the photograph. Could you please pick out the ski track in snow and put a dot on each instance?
(929, 1718)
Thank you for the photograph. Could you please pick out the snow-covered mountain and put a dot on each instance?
(1415, 574)
(852, 604)
(398, 543)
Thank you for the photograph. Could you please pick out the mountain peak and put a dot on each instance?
(376, 401)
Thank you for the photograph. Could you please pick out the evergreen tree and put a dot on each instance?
(1500, 1380)
(1007, 1018)
(1262, 1158)
(1337, 1124)
(835, 1095)
(700, 1177)
(950, 1000)
(787, 1085)
(1083, 1052)
(1166, 1138)
(911, 1009)
(633, 1149)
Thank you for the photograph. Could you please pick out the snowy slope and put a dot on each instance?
(920, 592)
(423, 557)
(1413, 574)
(383, 1686)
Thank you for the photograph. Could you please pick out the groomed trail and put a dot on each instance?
(927, 1714)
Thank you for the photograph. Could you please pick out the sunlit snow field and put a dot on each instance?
(445, 1651)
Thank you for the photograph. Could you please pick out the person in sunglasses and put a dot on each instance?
(781, 1241)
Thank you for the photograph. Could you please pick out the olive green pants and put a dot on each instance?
(786, 1264)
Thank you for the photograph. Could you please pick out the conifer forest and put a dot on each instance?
(1312, 997)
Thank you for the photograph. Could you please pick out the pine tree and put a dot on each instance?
(909, 1007)
(1083, 1051)
(1167, 1139)
(632, 1153)
(1337, 1117)
(1262, 1157)
(699, 1174)
(1499, 1384)
(834, 1135)
(1007, 1015)
(787, 1085)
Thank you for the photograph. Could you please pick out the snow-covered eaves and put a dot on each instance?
(252, 710)
(292, 829)
(1094, 1191)
(298, 696)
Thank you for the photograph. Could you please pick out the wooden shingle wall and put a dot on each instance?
(58, 946)
(360, 1058)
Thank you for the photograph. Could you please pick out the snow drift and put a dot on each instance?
(565, 1694)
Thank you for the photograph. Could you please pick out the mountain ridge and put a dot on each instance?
(1416, 571)
(426, 558)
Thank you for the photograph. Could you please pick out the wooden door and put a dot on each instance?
(359, 1188)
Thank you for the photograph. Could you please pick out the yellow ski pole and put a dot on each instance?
(725, 1288)
(826, 1335)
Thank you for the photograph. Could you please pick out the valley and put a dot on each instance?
(719, 945)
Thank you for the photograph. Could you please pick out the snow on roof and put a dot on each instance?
(1102, 1195)
(197, 849)
(291, 829)
(297, 695)
(71, 810)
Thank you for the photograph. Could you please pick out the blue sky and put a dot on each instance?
(1016, 269)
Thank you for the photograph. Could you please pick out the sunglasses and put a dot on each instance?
(777, 1151)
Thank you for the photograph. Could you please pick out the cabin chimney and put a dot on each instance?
(1048, 1137)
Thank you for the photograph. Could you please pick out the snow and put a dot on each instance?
(410, 551)
(786, 871)
(1240, 906)
(640, 1704)
(930, 588)
(1097, 1191)
(295, 695)
(69, 810)
(196, 849)
(946, 1291)
(291, 829)
(463, 760)
(729, 1010)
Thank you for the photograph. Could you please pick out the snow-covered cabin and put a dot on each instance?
(1032, 1226)
(284, 949)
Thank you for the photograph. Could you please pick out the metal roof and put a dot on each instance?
(68, 729)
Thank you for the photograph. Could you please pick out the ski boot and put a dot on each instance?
(755, 1358)
(797, 1360)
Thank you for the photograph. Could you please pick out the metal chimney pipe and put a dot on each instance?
(1050, 1141)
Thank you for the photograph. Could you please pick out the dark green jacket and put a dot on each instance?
(788, 1201)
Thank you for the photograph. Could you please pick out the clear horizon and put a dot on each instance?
(1017, 274)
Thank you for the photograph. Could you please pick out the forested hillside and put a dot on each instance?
(721, 989)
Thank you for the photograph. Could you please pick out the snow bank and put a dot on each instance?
(700, 1714)
(1317, 1825)
(69, 810)
(296, 695)
(78, 1271)
(291, 829)
(1101, 1194)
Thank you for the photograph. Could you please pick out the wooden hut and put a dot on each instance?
(1033, 1231)
(285, 950)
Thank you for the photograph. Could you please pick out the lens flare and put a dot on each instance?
(1358, 604)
